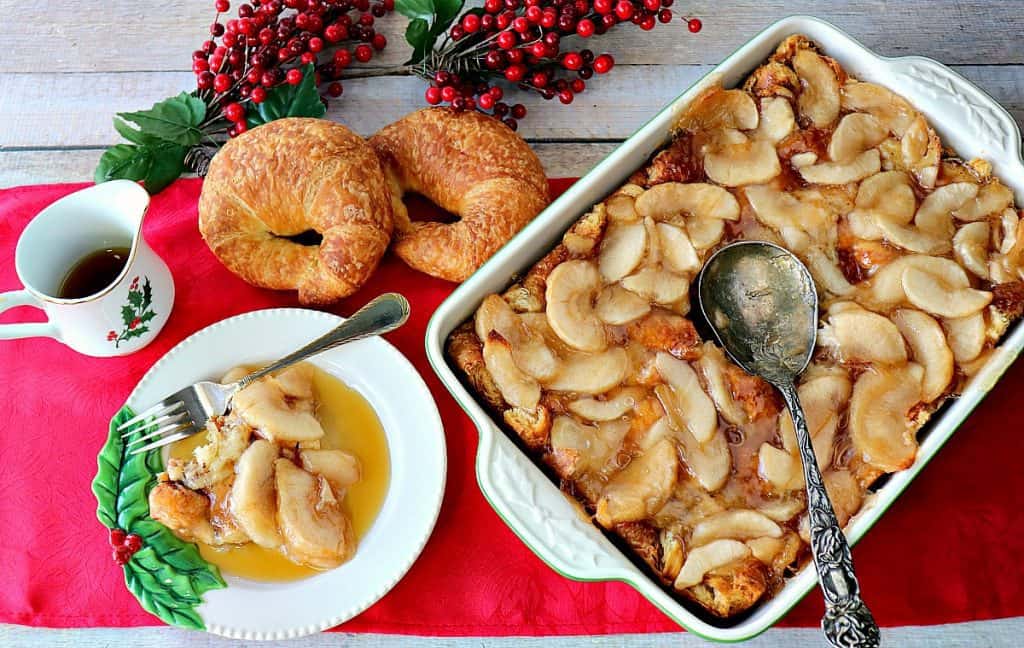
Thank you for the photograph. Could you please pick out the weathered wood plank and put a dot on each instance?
(161, 36)
(75, 109)
(562, 160)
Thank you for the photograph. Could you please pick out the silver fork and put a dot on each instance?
(186, 411)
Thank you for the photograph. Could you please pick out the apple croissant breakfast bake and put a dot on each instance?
(591, 360)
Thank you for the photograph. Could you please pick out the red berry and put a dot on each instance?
(548, 20)
(694, 25)
(647, 23)
(448, 93)
(221, 83)
(363, 53)
(471, 23)
(239, 128)
(518, 111)
(379, 42)
(334, 33)
(200, 65)
(293, 76)
(603, 6)
(307, 58)
(578, 85)
(624, 9)
(433, 95)
(204, 81)
(470, 103)
(315, 44)
(335, 89)
(493, 6)
(496, 93)
(343, 58)
(133, 542)
(111, 336)
(506, 40)
(565, 96)
(121, 555)
(515, 72)
(521, 24)
(459, 104)
(258, 95)
(608, 21)
(234, 112)
(572, 61)
(603, 63)
(534, 14)
(539, 79)
(222, 6)
(665, 16)
(511, 123)
(442, 78)
(585, 28)
(117, 536)
(539, 49)
(389, 5)
(486, 101)
(652, 5)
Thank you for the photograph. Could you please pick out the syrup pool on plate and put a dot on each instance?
(349, 424)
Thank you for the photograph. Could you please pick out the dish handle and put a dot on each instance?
(991, 131)
(542, 516)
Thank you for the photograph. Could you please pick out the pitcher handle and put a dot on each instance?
(33, 329)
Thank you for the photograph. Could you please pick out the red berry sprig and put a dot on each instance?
(270, 42)
(124, 545)
(520, 42)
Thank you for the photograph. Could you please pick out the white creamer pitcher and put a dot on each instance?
(119, 319)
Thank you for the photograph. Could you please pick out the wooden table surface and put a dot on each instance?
(67, 66)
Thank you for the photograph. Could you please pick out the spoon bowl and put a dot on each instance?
(761, 304)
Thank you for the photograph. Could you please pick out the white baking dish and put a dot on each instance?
(550, 524)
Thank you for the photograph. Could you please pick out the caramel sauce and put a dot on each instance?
(350, 424)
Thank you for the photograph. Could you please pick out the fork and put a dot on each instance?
(186, 411)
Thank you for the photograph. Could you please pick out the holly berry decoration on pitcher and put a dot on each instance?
(135, 313)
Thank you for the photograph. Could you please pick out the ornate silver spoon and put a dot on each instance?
(760, 301)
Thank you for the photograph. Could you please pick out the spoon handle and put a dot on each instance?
(847, 622)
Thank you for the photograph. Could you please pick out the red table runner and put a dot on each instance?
(948, 550)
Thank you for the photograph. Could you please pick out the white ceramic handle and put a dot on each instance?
(34, 329)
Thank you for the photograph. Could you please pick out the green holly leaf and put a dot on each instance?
(428, 20)
(138, 331)
(127, 314)
(285, 100)
(133, 135)
(156, 165)
(135, 299)
(147, 294)
(167, 576)
(175, 120)
(147, 316)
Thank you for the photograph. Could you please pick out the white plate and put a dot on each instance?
(247, 609)
(530, 503)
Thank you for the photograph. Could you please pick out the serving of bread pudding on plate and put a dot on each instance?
(592, 361)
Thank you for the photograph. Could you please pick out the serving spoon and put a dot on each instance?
(761, 304)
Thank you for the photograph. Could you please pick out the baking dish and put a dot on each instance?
(966, 118)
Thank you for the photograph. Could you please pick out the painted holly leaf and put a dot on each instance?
(175, 120)
(168, 576)
(147, 294)
(286, 100)
(138, 331)
(147, 316)
(428, 20)
(156, 165)
(135, 298)
(127, 314)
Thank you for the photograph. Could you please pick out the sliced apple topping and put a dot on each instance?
(780, 210)
(886, 196)
(765, 549)
(858, 335)
(928, 344)
(826, 273)
(921, 150)
(620, 208)
(704, 559)
(779, 468)
(587, 232)
(936, 211)
(672, 551)
(835, 173)
(992, 198)
(879, 425)
(892, 110)
(819, 99)
(886, 287)
(617, 306)
(717, 108)
(666, 201)
(529, 351)
(591, 373)
(777, 120)
(844, 492)
(517, 388)
(643, 487)
(583, 448)
(970, 247)
(705, 232)
(782, 509)
(572, 288)
(735, 165)
(856, 133)
(800, 160)
(934, 294)
(659, 285)
(607, 409)
(622, 250)
(688, 407)
(677, 251)
(713, 366)
(966, 336)
(913, 238)
(737, 524)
